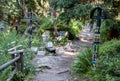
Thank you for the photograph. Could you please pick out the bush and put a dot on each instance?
(110, 29)
(46, 24)
(108, 63)
(5, 39)
(82, 64)
(22, 28)
(75, 27)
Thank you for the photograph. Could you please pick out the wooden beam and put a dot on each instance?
(11, 49)
(2, 67)
(16, 52)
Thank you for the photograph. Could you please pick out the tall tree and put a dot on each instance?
(112, 25)
(72, 9)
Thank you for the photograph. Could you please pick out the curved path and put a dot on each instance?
(57, 68)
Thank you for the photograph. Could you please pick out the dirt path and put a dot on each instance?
(57, 68)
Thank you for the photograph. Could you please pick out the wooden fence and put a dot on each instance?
(16, 61)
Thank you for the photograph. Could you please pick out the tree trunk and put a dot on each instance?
(24, 9)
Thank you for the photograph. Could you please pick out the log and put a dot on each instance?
(12, 49)
(4, 66)
(16, 52)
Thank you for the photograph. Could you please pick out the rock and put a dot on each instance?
(47, 61)
(49, 44)
(41, 53)
(34, 49)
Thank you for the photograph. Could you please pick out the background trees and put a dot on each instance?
(72, 9)
(72, 15)
(67, 12)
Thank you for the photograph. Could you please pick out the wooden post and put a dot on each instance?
(21, 61)
(13, 65)
(18, 65)
(54, 23)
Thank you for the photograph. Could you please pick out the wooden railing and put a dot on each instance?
(16, 61)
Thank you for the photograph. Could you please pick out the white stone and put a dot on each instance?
(34, 49)
(46, 36)
(41, 53)
(49, 44)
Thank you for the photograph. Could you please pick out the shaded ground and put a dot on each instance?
(57, 68)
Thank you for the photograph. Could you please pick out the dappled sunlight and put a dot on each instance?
(118, 17)
(85, 41)
(67, 54)
(54, 33)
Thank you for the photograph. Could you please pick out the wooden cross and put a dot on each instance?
(97, 13)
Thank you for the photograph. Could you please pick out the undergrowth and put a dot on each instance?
(108, 63)
(5, 44)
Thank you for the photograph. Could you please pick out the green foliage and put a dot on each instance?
(18, 77)
(104, 32)
(5, 40)
(21, 29)
(72, 9)
(108, 63)
(61, 25)
(61, 41)
(31, 4)
(46, 24)
(70, 12)
(82, 10)
(10, 7)
(37, 42)
(28, 68)
(111, 26)
(112, 47)
(75, 27)
(82, 64)
(4, 74)
(110, 29)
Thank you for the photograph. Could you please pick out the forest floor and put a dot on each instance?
(58, 68)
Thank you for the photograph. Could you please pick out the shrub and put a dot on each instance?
(22, 28)
(46, 24)
(75, 27)
(107, 66)
(82, 64)
(5, 39)
(110, 29)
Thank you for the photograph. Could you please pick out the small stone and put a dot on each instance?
(41, 53)
(34, 49)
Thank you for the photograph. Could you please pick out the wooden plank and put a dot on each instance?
(13, 65)
(21, 61)
(16, 52)
(12, 49)
(4, 66)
